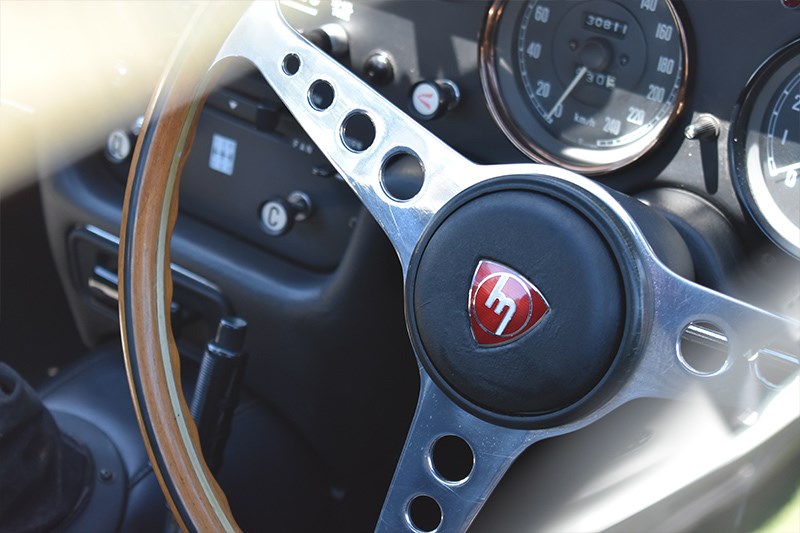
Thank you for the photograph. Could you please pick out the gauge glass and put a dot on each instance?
(589, 85)
(765, 147)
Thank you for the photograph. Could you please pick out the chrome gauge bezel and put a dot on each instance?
(745, 150)
(583, 160)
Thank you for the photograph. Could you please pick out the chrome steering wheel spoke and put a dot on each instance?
(703, 339)
(294, 67)
(493, 449)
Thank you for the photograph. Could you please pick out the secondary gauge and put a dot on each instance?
(589, 85)
(765, 148)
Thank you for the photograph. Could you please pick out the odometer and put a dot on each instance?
(587, 85)
(765, 148)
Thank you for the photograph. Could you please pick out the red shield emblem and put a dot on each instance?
(503, 305)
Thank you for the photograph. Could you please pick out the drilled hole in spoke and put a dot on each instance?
(703, 348)
(403, 176)
(452, 459)
(321, 95)
(424, 514)
(291, 64)
(774, 367)
(358, 131)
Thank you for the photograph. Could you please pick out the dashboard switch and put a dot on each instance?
(136, 127)
(378, 69)
(431, 99)
(705, 128)
(262, 114)
(118, 146)
(278, 215)
(330, 38)
(300, 204)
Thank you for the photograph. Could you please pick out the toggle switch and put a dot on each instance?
(278, 215)
(431, 99)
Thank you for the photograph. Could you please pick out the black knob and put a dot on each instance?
(430, 99)
(378, 68)
(230, 333)
(330, 38)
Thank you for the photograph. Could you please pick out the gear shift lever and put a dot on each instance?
(217, 389)
(45, 475)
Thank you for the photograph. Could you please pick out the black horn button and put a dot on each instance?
(516, 303)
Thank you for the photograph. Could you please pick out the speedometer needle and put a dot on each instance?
(570, 87)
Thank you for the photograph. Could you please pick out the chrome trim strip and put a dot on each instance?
(707, 336)
(113, 239)
(781, 356)
(110, 237)
(107, 290)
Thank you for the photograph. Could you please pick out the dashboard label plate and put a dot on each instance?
(223, 154)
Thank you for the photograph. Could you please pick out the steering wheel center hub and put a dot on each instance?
(516, 301)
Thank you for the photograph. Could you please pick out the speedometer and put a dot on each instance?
(765, 148)
(589, 85)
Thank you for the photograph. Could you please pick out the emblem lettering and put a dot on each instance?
(504, 304)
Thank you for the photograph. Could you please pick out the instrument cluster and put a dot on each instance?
(595, 85)
(590, 86)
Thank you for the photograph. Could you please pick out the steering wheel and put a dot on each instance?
(535, 298)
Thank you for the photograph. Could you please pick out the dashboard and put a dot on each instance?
(506, 88)
(691, 106)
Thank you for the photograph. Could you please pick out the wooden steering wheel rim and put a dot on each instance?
(151, 205)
